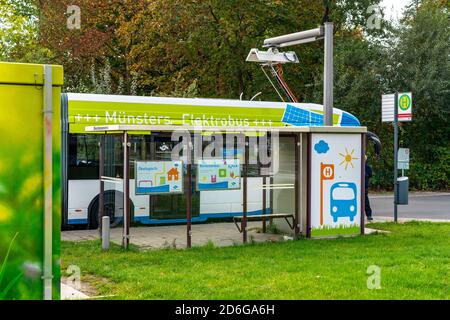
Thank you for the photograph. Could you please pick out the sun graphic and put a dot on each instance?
(348, 158)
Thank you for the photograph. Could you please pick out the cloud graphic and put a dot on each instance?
(321, 147)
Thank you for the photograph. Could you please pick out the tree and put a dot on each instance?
(162, 41)
(19, 33)
(422, 64)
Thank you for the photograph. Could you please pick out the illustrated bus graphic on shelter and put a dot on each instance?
(343, 200)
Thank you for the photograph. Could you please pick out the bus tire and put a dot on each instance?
(109, 205)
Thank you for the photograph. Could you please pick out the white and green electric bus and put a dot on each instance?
(81, 153)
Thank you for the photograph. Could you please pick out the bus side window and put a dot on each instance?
(72, 150)
(83, 157)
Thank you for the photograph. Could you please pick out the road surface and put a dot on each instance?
(424, 205)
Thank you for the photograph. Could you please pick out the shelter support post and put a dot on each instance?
(126, 191)
(308, 187)
(363, 177)
(264, 199)
(101, 197)
(271, 197)
(303, 182)
(245, 186)
(189, 206)
(297, 186)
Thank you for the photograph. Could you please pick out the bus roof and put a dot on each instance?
(84, 110)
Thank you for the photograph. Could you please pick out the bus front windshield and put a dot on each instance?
(343, 194)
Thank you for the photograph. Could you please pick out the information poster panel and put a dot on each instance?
(403, 159)
(159, 177)
(219, 174)
(335, 184)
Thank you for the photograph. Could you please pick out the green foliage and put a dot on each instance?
(414, 56)
(421, 56)
(19, 33)
(435, 175)
(202, 41)
(272, 228)
(198, 48)
(190, 92)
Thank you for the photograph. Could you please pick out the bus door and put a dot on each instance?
(113, 168)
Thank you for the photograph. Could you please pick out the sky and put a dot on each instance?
(394, 8)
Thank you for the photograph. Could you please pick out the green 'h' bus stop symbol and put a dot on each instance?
(404, 102)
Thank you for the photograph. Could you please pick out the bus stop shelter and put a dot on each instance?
(321, 194)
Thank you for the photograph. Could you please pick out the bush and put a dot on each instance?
(432, 173)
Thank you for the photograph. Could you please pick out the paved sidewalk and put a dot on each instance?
(403, 220)
(157, 237)
(220, 234)
(70, 293)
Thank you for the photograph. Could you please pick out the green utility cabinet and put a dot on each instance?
(30, 206)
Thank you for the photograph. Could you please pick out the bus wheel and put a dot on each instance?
(111, 198)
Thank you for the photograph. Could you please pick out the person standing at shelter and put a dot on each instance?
(368, 175)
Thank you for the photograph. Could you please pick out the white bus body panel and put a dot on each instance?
(83, 192)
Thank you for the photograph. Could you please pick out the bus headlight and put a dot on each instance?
(352, 208)
(335, 209)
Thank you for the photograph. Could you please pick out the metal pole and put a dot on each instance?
(126, 192)
(189, 206)
(48, 181)
(271, 197)
(297, 186)
(264, 199)
(294, 38)
(244, 219)
(363, 182)
(101, 197)
(328, 75)
(396, 157)
(308, 186)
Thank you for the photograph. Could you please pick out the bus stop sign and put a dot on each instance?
(404, 107)
(327, 171)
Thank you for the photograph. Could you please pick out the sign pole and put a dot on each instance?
(396, 157)
(328, 75)
(395, 109)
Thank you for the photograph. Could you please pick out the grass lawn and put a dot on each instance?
(414, 260)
